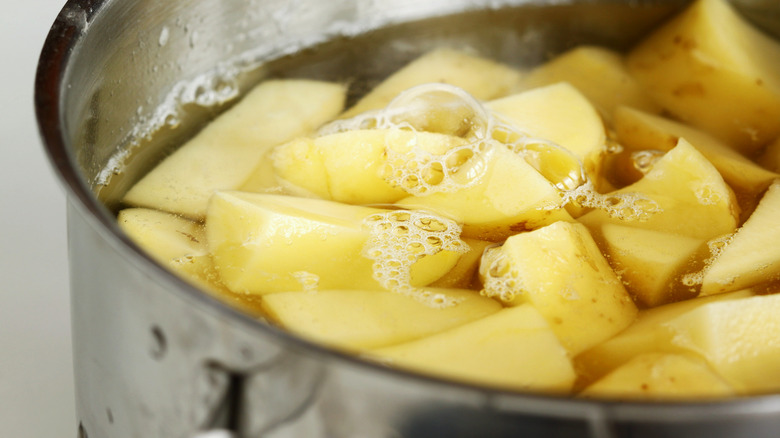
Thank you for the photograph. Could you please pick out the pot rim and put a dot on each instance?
(63, 38)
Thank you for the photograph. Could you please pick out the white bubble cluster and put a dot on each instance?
(309, 281)
(399, 239)
(499, 278)
(716, 247)
(628, 206)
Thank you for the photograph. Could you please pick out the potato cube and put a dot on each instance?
(224, 154)
(598, 73)
(682, 194)
(357, 319)
(264, 243)
(463, 274)
(650, 333)
(482, 78)
(651, 263)
(709, 67)
(180, 245)
(513, 348)
(747, 259)
(739, 338)
(560, 114)
(561, 272)
(655, 376)
(638, 131)
(351, 166)
(502, 195)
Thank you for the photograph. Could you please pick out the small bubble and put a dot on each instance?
(643, 161)
(164, 36)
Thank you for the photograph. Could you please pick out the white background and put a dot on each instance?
(36, 372)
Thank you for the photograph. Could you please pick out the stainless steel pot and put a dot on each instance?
(120, 83)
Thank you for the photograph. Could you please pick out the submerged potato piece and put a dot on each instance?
(464, 273)
(684, 194)
(224, 154)
(350, 166)
(270, 243)
(513, 348)
(561, 272)
(752, 255)
(180, 245)
(482, 78)
(598, 73)
(637, 130)
(711, 68)
(651, 263)
(649, 334)
(561, 114)
(739, 338)
(655, 376)
(502, 195)
(357, 319)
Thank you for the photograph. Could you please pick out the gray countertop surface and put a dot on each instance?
(36, 371)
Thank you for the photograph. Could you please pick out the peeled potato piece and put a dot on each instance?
(739, 338)
(559, 270)
(351, 166)
(264, 243)
(752, 255)
(358, 319)
(502, 195)
(464, 273)
(482, 78)
(651, 263)
(650, 333)
(710, 68)
(598, 73)
(513, 348)
(180, 245)
(224, 154)
(561, 114)
(638, 131)
(682, 194)
(655, 376)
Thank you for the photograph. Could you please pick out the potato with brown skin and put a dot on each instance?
(710, 68)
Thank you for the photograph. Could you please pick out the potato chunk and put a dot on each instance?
(269, 243)
(651, 263)
(712, 69)
(660, 377)
(505, 350)
(559, 270)
(682, 194)
(502, 194)
(351, 166)
(651, 333)
(739, 338)
(357, 319)
(482, 78)
(224, 154)
(598, 73)
(638, 131)
(747, 259)
(180, 245)
(561, 114)
(463, 274)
